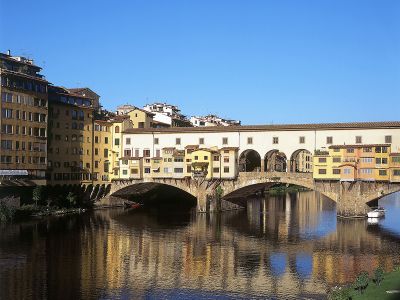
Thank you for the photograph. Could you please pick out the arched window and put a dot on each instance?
(116, 129)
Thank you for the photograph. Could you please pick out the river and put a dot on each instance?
(282, 247)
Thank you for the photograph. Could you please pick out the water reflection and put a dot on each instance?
(280, 247)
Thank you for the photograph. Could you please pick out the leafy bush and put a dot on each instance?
(362, 281)
(339, 293)
(378, 275)
(71, 199)
(6, 212)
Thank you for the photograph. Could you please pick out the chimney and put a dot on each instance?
(9, 52)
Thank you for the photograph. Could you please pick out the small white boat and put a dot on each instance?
(376, 213)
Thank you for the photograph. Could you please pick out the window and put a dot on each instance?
(177, 141)
(367, 149)
(96, 151)
(116, 142)
(216, 170)
(358, 139)
(337, 159)
(146, 153)
(226, 159)
(178, 170)
(124, 172)
(302, 139)
(249, 140)
(378, 161)
(6, 113)
(196, 158)
(322, 159)
(166, 170)
(188, 169)
(134, 171)
(396, 172)
(147, 170)
(201, 141)
(105, 153)
(388, 139)
(382, 172)
(206, 157)
(350, 150)
(128, 141)
(275, 140)
(329, 140)
(116, 129)
(106, 140)
(384, 149)
(322, 171)
(347, 171)
(336, 171)
(216, 158)
(6, 129)
(156, 141)
(226, 169)
(384, 160)
(396, 159)
(96, 139)
(225, 141)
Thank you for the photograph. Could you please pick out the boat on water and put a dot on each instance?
(133, 205)
(378, 212)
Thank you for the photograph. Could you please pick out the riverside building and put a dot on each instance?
(23, 122)
(70, 141)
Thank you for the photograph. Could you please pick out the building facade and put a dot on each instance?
(168, 114)
(23, 122)
(70, 141)
(212, 120)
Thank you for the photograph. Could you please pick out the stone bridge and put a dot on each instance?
(352, 198)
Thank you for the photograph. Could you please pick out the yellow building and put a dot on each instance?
(23, 122)
(353, 162)
(70, 138)
(394, 167)
(102, 154)
(326, 164)
(141, 118)
(119, 124)
(203, 162)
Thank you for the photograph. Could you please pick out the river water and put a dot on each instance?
(282, 247)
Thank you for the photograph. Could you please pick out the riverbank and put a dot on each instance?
(389, 289)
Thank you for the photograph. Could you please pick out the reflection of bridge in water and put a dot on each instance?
(273, 248)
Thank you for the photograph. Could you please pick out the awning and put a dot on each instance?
(13, 172)
(156, 169)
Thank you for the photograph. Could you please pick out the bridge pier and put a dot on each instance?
(351, 200)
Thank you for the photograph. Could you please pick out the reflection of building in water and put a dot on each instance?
(266, 251)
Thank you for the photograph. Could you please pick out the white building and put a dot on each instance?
(167, 114)
(125, 109)
(260, 142)
(212, 120)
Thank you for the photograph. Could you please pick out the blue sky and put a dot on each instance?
(262, 62)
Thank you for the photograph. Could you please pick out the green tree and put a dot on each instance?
(362, 281)
(219, 192)
(37, 194)
(378, 275)
(71, 199)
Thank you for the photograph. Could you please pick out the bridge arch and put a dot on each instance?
(126, 188)
(301, 161)
(275, 161)
(249, 161)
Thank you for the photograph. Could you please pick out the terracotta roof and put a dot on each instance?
(130, 158)
(283, 127)
(229, 148)
(394, 154)
(80, 90)
(168, 148)
(157, 157)
(24, 75)
(191, 146)
(358, 146)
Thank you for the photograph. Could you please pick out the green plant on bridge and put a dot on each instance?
(219, 192)
(362, 281)
(71, 199)
(6, 212)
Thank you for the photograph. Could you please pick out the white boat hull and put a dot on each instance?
(376, 214)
